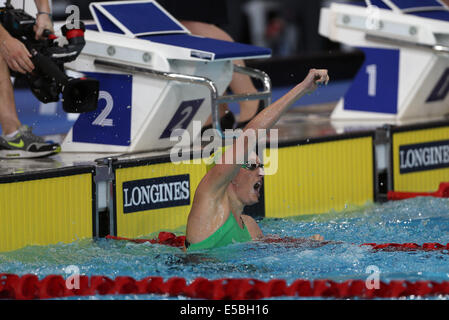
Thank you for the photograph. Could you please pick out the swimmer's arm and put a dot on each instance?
(253, 228)
(268, 117)
(221, 175)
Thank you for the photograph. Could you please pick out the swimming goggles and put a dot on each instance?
(252, 166)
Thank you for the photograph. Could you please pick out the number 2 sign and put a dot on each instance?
(182, 117)
(111, 122)
(441, 89)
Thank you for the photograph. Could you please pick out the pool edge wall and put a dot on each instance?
(133, 218)
(320, 175)
(410, 172)
(47, 207)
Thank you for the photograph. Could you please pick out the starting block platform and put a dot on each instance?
(155, 78)
(405, 74)
(115, 175)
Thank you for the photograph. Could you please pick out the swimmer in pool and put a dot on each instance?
(216, 218)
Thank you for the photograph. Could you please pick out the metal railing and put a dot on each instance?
(436, 48)
(264, 95)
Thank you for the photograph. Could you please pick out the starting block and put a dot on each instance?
(405, 74)
(155, 77)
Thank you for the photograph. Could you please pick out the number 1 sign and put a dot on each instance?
(375, 87)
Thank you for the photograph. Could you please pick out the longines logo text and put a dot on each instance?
(156, 193)
(424, 156)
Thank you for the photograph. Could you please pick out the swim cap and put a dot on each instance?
(211, 161)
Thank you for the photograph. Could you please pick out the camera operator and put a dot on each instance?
(17, 140)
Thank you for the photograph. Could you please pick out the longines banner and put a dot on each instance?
(156, 193)
(424, 156)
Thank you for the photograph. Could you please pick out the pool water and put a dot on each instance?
(416, 220)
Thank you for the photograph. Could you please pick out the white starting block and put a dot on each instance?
(405, 74)
(154, 76)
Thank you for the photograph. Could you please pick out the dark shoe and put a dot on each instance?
(241, 125)
(26, 145)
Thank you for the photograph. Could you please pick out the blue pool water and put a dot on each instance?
(416, 220)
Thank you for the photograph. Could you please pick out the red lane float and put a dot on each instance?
(407, 246)
(170, 239)
(442, 192)
(54, 286)
(165, 238)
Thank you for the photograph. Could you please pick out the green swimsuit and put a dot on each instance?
(230, 232)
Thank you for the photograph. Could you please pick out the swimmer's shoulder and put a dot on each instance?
(253, 228)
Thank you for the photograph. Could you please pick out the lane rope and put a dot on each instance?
(442, 192)
(29, 286)
(170, 239)
(54, 286)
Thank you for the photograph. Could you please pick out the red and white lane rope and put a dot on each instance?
(54, 286)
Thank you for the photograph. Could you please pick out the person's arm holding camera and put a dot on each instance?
(13, 51)
(43, 18)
